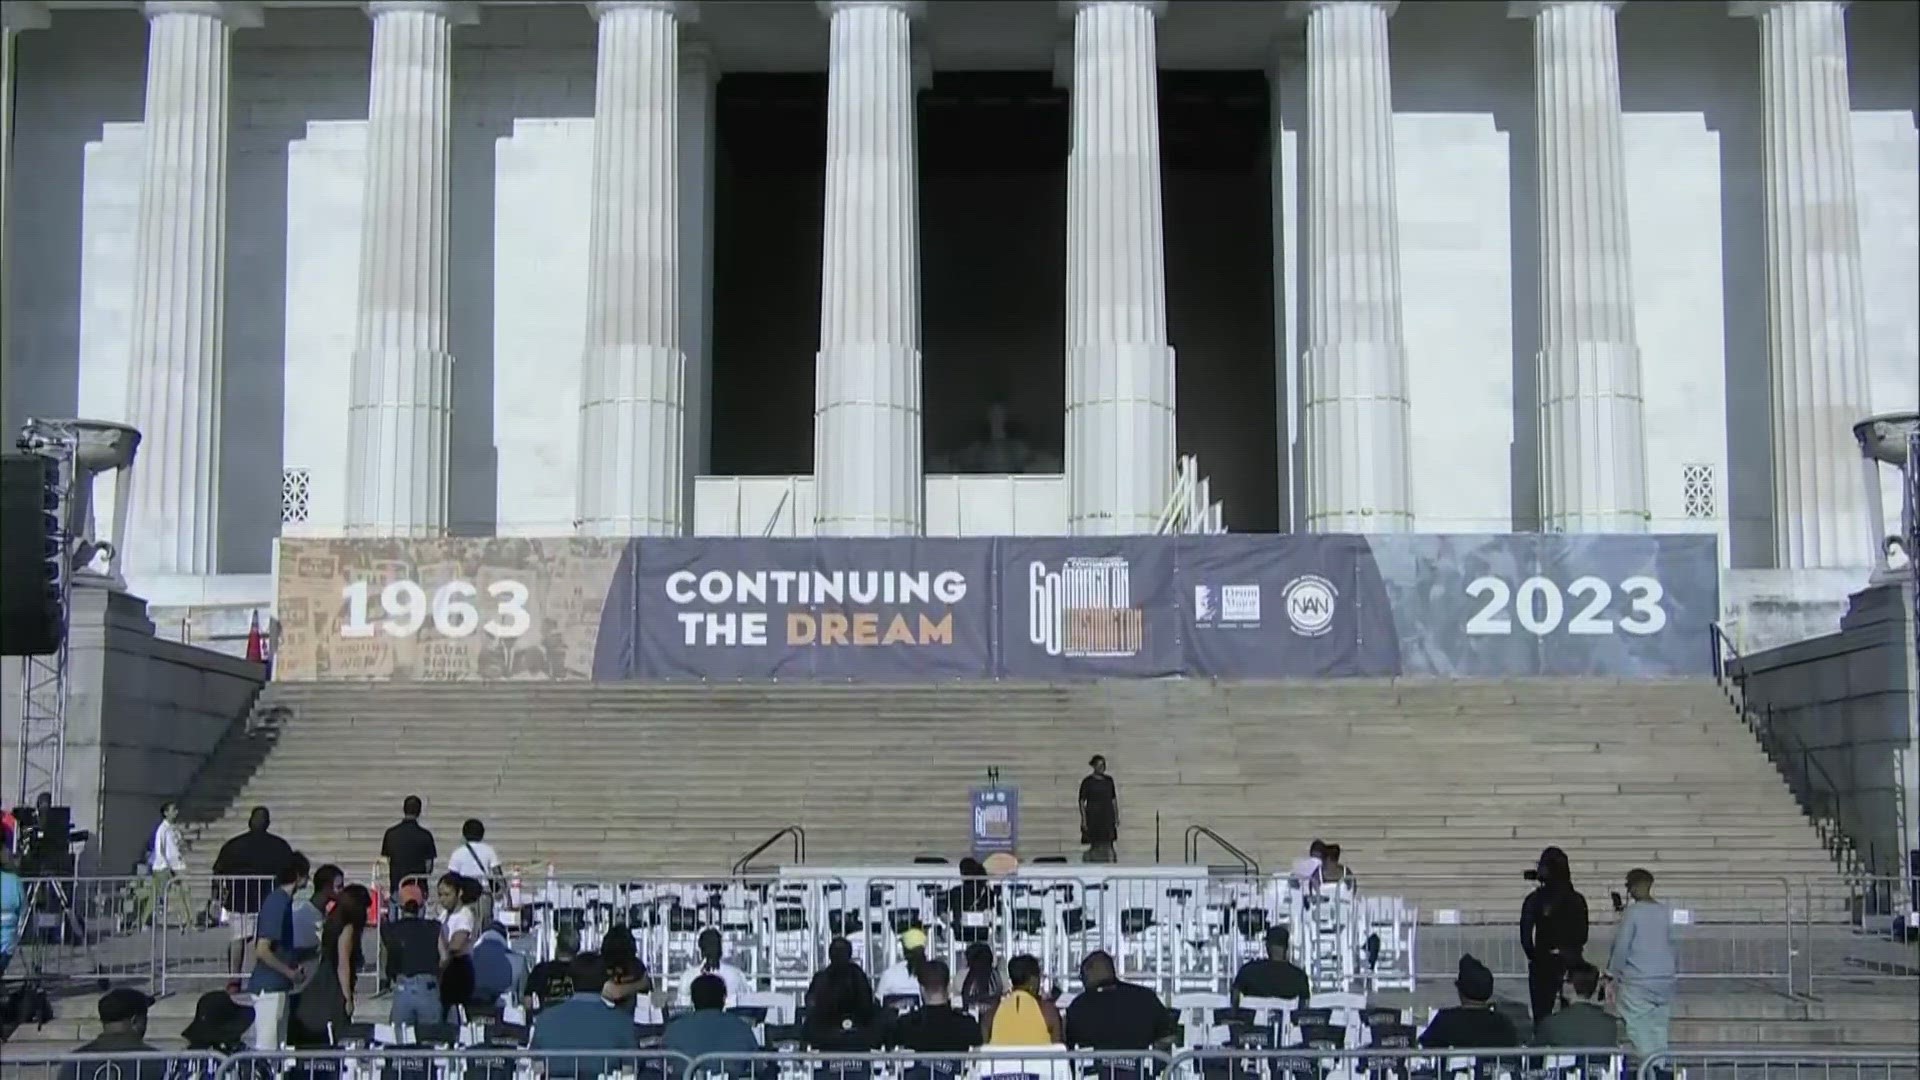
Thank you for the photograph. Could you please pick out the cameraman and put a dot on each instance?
(1553, 929)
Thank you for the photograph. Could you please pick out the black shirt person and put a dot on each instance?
(1273, 976)
(1474, 1024)
(408, 848)
(936, 1027)
(1114, 1015)
(1553, 930)
(1099, 812)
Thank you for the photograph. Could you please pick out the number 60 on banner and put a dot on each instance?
(405, 608)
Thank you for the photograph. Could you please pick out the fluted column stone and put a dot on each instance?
(1593, 471)
(174, 366)
(633, 381)
(698, 74)
(401, 395)
(14, 17)
(1120, 366)
(1816, 313)
(1354, 400)
(867, 442)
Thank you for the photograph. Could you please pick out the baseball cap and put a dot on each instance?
(914, 938)
(123, 1003)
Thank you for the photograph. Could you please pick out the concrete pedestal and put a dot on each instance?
(143, 714)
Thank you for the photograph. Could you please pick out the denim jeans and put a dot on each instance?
(416, 1000)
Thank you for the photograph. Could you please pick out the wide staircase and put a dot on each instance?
(1436, 789)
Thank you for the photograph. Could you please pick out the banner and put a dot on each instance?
(491, 608)
(995, 819)
(1234, 607)
(844, 609)
(1088, 608)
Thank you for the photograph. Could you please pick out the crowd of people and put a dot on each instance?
(301, 940)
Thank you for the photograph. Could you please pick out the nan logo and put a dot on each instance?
(1084, 609)
(1310, 601)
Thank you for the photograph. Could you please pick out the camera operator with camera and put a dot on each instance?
(1553, 929)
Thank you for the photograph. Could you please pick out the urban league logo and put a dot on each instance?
(1226, 604)
(1085, 609)
(1310, 601)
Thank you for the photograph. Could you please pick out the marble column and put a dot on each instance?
(867, 444)
(1593, 470)
(1353, 374)
(1816, 314)
(179, 302)
(698, 75)
(401, 396)
(1120, 402)
(14, 17)
(632, 385)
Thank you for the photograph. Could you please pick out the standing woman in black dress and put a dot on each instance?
(328, 1001)
(1099, 813)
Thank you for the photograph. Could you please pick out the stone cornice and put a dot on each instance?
(23, 15)
(684, 10)
(1300, 9)
(1070, 8)
(1527, 9)
(237, 15)
(458, 12)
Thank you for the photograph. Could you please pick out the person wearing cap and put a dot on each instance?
(737, 983)
(1553, 930)
(1112, 1014)
(902, 979)
(1099, 812)
(219, 1024)
(1274, 976)
(1474, 1024)
(123, 1030)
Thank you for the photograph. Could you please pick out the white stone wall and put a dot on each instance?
(522, 147)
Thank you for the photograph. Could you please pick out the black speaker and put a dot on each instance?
(31, 622)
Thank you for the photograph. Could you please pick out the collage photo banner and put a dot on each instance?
(906, 610)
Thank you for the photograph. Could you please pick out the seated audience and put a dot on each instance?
(738, 985)
(627, 976)
(123, 1030)
(981, 986)
(585, 1021)
(936, 1027)
(710, 1028)
(1273, 976)
(1580, 1021)
(902, 979)
(498, 972)
(1114, 1015)
(551, 981)
(841, 1011)
(1474, 1024)
(219, 1024)
(1025, 1016)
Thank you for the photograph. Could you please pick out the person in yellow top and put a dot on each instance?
(1026, 1016)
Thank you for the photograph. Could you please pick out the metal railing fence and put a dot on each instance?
(1783, 1064)
(1876, 939)
(1538, 1063)
(24, 1064)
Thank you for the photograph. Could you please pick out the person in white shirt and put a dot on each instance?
(902, 979)
(1306, 872)
(169, 865)
(711, 964)
(476, 859)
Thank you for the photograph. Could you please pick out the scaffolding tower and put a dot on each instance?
(43, 679)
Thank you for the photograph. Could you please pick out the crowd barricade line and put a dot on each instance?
(1011, 1063)
(1508, 1063)
(1782, 1064)
(461, 1063)
(1865, 931)
(18, 1064)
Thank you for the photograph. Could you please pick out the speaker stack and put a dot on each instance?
(32, 614)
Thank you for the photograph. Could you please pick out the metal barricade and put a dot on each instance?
(204, 927)
(1863, 930)
(1725, 928)
(464, 1063)
(1022, 1063)
(1783, 1064)
(86, 927)
(1399, 1063)
(20, 1064)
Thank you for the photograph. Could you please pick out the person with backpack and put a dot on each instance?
(476, 860)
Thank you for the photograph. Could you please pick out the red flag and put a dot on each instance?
(256, 645)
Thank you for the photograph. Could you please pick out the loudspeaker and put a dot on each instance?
(31, 620)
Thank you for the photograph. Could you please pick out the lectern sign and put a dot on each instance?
(996, 820)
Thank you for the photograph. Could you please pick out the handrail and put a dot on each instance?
(1777, 741)
(1190, 846)
(799, 847)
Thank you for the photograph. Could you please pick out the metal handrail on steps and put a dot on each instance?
(799, 836)
(1785, 749)
(1190, 847)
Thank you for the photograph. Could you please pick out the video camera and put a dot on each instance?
(46, 839)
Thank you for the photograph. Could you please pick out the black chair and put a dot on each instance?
(789, 920)
(432, 1035)
(901, 1003)
(901, 920)
(785, 1036)
(1049, 860)
(1375, 1016)
(1303, 1017)
(1237, 1014)
(930, 860)
(1251, 922)
(649, 1034)
(752, 1014)
(1394, 1036)
(1134, 920)
(1247, 1035)
(1322, 1037)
